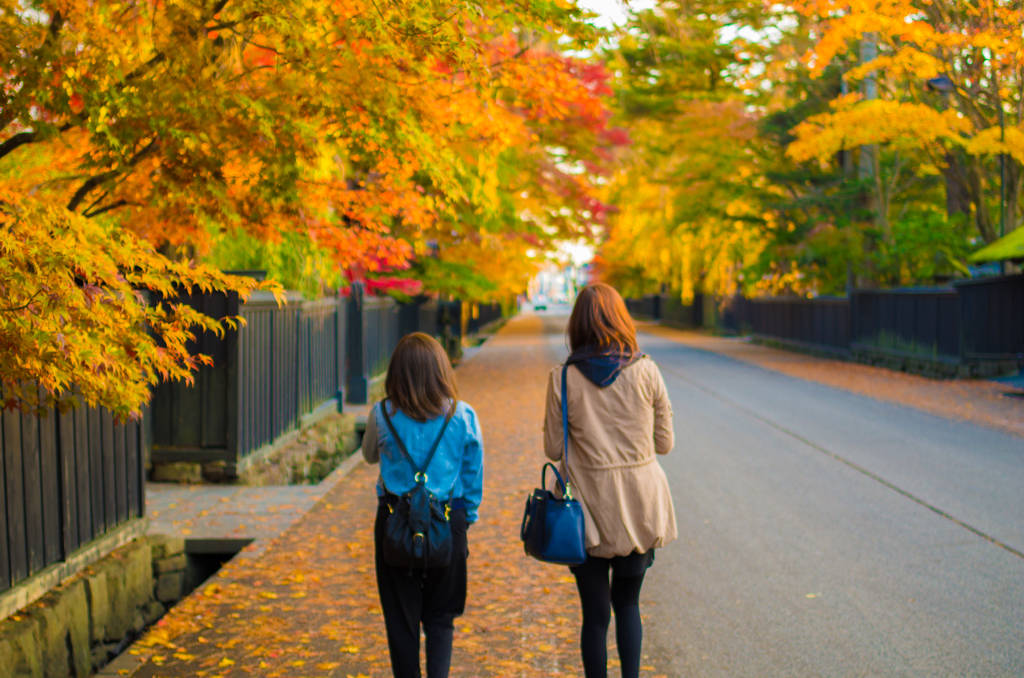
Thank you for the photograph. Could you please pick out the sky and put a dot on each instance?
(612, 13)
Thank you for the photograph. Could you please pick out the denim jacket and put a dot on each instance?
(457, 466)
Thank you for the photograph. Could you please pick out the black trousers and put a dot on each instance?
(599, 597)
(433, 597)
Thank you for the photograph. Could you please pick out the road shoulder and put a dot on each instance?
(977, 401)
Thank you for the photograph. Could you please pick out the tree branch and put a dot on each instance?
(91, 183)
(112, 206)
(19, 139)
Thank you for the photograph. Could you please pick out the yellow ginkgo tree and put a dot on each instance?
(949, 79)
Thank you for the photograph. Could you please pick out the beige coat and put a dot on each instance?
(614, 433)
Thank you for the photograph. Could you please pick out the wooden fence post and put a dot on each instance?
(357, 379)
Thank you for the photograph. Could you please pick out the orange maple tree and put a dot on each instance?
(370, 129)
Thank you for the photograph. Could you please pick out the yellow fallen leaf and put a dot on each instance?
(813, 595)
(268, 594)
(328, 666)
(351, 649)
(226, 662)
(184, 656)
(299, 662)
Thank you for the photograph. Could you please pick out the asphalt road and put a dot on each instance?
(828, 534)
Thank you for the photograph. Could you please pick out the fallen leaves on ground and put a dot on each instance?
(308, 606)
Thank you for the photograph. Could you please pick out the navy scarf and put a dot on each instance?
(601, 366)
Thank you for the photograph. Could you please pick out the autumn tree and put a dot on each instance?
(950, 80)
(362, 131)
(746, 172)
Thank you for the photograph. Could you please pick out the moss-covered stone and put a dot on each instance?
(20, 653)
(63, 620)
(172, 564)
(169, 587)
(98, 597)
(164, 546)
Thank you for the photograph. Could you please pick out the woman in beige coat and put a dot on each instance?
(619, 419)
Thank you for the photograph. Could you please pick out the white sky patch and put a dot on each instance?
(577, 253)
(613, 13)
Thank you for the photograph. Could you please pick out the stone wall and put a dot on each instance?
(80, 626)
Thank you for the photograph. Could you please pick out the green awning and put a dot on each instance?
(1008, 247)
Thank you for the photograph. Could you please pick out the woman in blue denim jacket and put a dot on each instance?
(420, 388)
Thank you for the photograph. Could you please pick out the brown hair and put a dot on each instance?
(420, 381)
(600, 319)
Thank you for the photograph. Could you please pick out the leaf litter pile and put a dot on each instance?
(308, 606)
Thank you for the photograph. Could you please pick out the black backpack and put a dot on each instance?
(417, 533)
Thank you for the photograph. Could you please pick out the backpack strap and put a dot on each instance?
(405, 452)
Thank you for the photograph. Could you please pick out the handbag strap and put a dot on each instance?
(401, 445)
(565, 425)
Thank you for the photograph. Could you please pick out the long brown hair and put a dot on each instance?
(600, 320)
(420, 381)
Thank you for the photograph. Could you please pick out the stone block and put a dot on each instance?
(152, 612)
(102, 654)
(177, 472)
(138, 559)
(169, 587)
(164, 546)
(138, 623)
(98, 597)
(63, 618)
(172, 564)
(119, 616)
(20, 650)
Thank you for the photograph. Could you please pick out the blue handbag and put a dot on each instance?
(553, 529)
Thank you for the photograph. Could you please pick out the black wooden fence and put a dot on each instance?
(419, 315)
(282, 364)
(67, 480)
(974, 328)
(910, 323)
(822, 323)
(481, 315)
(285, 363)
(992, 317)
(673, 312)
(373, 333)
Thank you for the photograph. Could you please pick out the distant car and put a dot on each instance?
(540, 303)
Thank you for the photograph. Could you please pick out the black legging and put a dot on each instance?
(598, 598)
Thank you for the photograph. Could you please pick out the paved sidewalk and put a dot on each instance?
(308, 605)
(214, 512)
(979, 401)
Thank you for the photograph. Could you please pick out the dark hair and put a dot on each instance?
(420, 381)
(599, 319)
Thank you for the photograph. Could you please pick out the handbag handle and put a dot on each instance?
(559, 483)
(565, 429)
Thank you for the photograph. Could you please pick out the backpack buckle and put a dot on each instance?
(416, 478)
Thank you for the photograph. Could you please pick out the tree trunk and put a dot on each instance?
(958, 195)
(982, 217)
(1013, 184)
